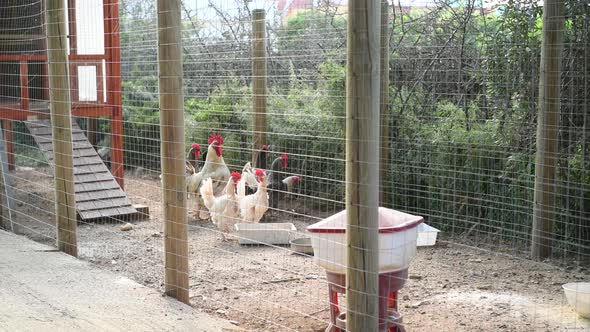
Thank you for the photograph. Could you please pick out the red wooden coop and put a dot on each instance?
(94, 62)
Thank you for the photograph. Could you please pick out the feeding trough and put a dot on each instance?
(397, 240)
(265, 234)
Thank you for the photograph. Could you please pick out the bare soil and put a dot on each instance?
(452, 287)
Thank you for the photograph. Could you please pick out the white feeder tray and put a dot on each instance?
(398, 234)
(427, 235)
(264, 234)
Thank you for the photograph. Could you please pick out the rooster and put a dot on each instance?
(261, 158)
(224, 209)
(194, 155)
(277, 167)
(253, 207)
(214, 168)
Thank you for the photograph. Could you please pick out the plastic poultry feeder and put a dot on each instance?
(398, 233)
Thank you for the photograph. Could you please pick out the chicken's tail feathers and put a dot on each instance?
(206, 191)
(189, 169)
(242, 188)
(250, 180)
(247, 167)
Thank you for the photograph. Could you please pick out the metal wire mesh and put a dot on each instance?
(463, 105)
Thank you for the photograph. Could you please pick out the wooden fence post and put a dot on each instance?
(172, 152)
(114, 89)
(384, 172)
(61, 127)
(362, 165)
(259, 125)
(547, 128)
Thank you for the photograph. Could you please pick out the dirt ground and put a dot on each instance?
(452, 287)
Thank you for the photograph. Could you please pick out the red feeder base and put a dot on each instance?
(389, 284)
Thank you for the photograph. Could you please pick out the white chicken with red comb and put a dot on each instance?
(253, 207)
(291, 182)
(224, 209)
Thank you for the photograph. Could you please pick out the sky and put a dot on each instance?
(229, 6)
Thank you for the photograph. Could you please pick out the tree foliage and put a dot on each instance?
(463, 98)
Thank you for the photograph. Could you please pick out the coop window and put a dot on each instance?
(89, 27)
(87, 90)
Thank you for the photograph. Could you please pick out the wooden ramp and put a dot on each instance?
(98, 195)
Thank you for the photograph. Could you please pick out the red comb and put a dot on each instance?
(285, 156)
(216, 137)
(264, 147)
(196, 146)
(236, 176)
(259, 172)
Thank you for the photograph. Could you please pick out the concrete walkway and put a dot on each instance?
(45, 290)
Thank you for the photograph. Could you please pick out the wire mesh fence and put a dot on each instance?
(463, 103)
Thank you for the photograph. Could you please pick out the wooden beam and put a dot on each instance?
(24, 85)
(100, 84)
(91, 110)
(14, 112)
(21, 36)
(9, 143)
(87, 57)
(73, 35)
(259, 127)
(384, 172)
(20, 57)
(172, 151)
(362, 165)
(45, 80)
(43, 56)
(74, 86)
(61, 125)
(44, 64)
(113, 86)
(547, 129)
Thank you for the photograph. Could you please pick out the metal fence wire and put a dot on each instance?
(465, 135)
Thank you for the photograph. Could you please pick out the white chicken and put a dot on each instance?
(224, 209)
(254, 206)
(291, 182)
(214, 168)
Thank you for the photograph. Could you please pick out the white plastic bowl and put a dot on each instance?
(398, 233)
(427, 235)
(578, 296)
(302, 246)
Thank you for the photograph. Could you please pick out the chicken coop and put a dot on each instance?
(93, 49)
(307, 165)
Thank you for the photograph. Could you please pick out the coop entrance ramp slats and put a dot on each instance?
(98, 195)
